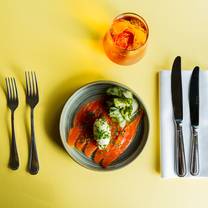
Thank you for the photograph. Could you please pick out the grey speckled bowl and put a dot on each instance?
(85, 94)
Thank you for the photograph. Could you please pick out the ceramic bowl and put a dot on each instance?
(85, 94)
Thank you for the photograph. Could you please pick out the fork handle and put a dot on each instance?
(14, 158)
(33, 159)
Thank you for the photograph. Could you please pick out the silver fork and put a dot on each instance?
(12, 103)
(32, 99)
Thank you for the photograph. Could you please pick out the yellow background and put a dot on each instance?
(61, 41)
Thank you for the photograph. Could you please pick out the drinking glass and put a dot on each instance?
(126, 40)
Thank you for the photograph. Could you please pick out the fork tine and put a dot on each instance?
(30, 91)
(33, 83)
(15, 89)
(8, 89)
(35, 91)
(28, 85)
(11, 89)
(36, 84)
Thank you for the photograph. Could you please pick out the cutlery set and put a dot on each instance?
(32, 98)
(177, 102)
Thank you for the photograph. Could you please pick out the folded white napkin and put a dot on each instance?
(167, 128)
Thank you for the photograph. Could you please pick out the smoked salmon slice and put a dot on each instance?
(89, 113)
(122, 142)
(90, 148)
(73, 135)
(80, 143)
(80, 114)
(99, 155)
(110, 158)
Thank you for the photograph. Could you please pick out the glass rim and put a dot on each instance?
(140, 18)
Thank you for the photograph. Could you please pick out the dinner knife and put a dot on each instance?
(177, 102)
(194, 113)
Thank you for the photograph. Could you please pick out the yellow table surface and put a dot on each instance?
(61, 41)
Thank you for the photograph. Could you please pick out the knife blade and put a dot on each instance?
(177, 103)
(194, 114)
(176, 89)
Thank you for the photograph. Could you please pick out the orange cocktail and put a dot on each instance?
(126, 40)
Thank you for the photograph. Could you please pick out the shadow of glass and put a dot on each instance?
(93, 21)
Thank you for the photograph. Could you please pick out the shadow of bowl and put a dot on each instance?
(58, 98)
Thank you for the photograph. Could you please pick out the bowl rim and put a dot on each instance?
(110, 82)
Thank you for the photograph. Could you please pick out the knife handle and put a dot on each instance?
(180, 161)
(194, 163)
